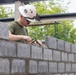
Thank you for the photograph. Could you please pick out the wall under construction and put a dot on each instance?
(24, 59)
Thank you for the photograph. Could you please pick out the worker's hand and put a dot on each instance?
(27, 38)
(39, 42)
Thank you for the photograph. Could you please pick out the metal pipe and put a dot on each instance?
(56, 17)
(12, 1)
(52, 17)
(6, 19)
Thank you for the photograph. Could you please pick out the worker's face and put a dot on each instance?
(28, 22)
(25, 21)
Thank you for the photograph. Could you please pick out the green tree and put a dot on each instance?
(6, 12)
(61, 31)
(73, 35)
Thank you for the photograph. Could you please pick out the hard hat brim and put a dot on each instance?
(37, 17)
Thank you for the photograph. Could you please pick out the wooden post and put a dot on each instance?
(17, 14)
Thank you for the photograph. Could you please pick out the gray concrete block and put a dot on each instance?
(23, 50)
(56, 55)
(3, 30)
(73, 48)
(73, 67)
(4, 66)
(18, 66)
(67, 47)
(71, 57)
(52, 67)
(32, 66)
(74, 57)
(57, 74)
(47, 54)
(7, 48)
(68, 67)
(51, 42)
(75, 73)
(60, 44)
(64, 56)
(42, 67)
(65, 74)
(61, 67)
(71, 74)
(42, 74)
(36, 52)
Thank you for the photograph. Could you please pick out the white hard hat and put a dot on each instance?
(29, 12)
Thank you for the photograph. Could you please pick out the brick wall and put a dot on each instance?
(23, 59)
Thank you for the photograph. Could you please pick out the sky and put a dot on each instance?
(71, 7)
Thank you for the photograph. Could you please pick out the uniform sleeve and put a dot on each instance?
(26, 30)
(11, 28)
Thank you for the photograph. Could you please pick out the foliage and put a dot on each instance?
(73, 35)
(63, 31)
(6, 12)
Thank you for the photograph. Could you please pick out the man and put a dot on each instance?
(17, 29)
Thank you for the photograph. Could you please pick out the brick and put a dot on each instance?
(7, 48)
(42, 67)
(4, 66)
(74, 57)
(73, 67)
(56, 55)
(3, 31)
(71, 57)
(68, 67)
(60, 44)
(51, 42)
(73, 48)
(52, 67)
(47, 54)
(18, 66)
(64, 56)
(23, 50)
(32, 66)
(57, 74)
(65, 74)
(36, 52)
(71, 74)
(75, 73)
(67, 47)
(61, 67)
(42, 74)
